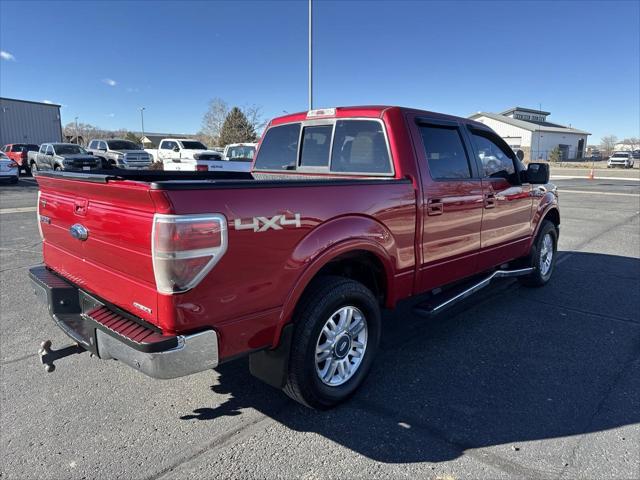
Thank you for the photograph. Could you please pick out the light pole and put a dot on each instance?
(142, 124)
(77, 140)
(310, 55)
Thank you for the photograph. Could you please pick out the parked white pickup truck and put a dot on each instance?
(192, 155)
(240, 151)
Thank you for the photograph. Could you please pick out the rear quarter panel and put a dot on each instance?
(243, 297)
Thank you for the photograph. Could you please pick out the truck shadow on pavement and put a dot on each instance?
(510, 365)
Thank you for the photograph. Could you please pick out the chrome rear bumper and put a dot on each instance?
(112, 334)
(193, 354)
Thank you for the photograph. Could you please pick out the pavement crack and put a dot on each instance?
(635, 357)
(220, 441)
(18, 359)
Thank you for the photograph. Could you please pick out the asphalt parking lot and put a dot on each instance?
(515, 383)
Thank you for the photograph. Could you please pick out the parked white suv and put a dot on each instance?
(620, 159)
(192, 155)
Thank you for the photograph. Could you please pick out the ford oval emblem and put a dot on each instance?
(79, 231)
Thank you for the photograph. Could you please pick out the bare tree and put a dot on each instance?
(608, 144)
(213, 120)
(632, 142)
(255, 118)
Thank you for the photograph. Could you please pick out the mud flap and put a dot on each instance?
(271, 366)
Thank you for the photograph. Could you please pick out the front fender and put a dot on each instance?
(548, 202)
(330, 240)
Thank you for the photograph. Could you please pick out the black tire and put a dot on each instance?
(13, 180)
(537, 278)
(325, 296)
(34, 167)
(57, 168)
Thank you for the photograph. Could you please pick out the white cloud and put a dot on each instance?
(47, 101)
(111, 115)
(7, 56)
(110, 82)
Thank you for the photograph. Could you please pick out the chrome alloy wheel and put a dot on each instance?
(546, 254)
(341, 346)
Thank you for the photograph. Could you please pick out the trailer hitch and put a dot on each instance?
(48, 356)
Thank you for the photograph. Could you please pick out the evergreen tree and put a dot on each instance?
(236, 128)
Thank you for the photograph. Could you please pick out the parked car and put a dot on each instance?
(635, 154)
(18, 152)
(620, 159)
(62, 156)
(183, 154)
(240, 152)
(8, 169)
(118, 153)
(347, 211)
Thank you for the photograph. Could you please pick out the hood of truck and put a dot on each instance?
(78, 156)
(188, 152)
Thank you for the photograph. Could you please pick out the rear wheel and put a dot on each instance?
(336, 336)
(543, 256)
(34, 167)
(57, 168)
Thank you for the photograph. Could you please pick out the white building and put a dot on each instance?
(528, 130)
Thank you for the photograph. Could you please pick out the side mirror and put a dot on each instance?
(176, 149)
(537, 173)
(520, 155)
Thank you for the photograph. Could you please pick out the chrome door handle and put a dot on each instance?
(490, 200)
(435, 207)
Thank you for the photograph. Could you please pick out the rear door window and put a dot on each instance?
(359, 146)
(446, 155)
(279, 149)
(316, 144)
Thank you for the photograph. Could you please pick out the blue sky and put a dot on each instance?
(102, 60)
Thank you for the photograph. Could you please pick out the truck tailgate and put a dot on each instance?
(114, 261)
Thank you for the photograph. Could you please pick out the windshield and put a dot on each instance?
(25, 148)
(193, 145)
(241, 152)
(620, 155)
(123, 145)
(68, 149)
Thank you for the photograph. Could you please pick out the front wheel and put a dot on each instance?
(543, 256)
(336, 336)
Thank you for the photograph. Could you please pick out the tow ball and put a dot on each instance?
(48, 356)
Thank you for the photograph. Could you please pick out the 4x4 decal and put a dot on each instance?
(262, 224)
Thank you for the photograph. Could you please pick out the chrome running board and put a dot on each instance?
(448, 299)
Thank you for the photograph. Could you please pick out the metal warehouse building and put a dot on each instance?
(23, 121)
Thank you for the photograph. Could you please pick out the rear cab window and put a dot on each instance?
(335, 146)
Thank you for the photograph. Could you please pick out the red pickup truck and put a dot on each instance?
(346, 212)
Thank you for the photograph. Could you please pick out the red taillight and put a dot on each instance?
(185, 248)
(202, 168)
